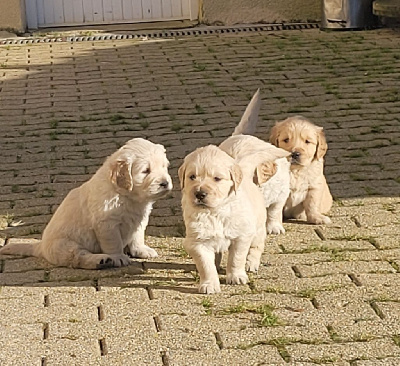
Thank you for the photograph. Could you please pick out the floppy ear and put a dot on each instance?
(274, 135)
(322, 146)
(121, 174)
(181, 175)
(236, 176)
(264, 171)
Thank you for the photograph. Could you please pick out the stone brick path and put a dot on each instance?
(324, 295)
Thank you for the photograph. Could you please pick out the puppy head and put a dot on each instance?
(301, 138)
(141, 168)
(208, 176)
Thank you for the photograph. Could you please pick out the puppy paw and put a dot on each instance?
(319, 220)
(210, 287)
(252, 265)
(237, 278)
(114, 260)
(143, 252)
(275, 228)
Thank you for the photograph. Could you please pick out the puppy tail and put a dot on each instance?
(24, 249)
(248, 123)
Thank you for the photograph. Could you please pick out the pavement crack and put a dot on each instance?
(157, 323)
(100, 313)
(103, 347)
(150, 293)
(377, 310)
(45, 330)
(296, 271)
(96, 284)
(165, 358)
(219, 341)
(354, 279)
(320, 233)
(46, 301)
(43, 361)
(2, 262)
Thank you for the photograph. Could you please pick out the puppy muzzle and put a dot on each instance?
(200, 198)
(295, 157)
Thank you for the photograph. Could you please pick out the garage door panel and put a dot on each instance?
(45, 13)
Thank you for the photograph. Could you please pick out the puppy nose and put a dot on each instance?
(295, 155)
(200, 195)
(164, 184)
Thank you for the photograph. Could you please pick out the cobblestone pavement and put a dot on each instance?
(323, 295)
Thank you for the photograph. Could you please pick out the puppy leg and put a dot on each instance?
(204, 258)
(111, 246)
(274, 218)
(312, 205)
(236, 267)
(256, 250)
(138, 249)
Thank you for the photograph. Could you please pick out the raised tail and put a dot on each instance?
(248, 123)
(25, 249)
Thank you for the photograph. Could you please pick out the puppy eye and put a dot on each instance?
(286, 140)
(146, 171)
(217, 179)
(308, 142)
(192, 177)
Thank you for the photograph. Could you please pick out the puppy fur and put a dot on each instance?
(223, 211)
(104, 219)
(271, 174)
(309, 197)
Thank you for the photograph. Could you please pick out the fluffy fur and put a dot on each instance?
(223, 211)
(309, 197)
(272, 174)
(104, 219)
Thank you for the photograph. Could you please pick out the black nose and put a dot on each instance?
(164, 184)
(295, 155)
(200, 195)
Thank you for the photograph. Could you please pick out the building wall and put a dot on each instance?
(12, 15)
(229, 12)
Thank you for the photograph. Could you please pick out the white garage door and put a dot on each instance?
(56, 13)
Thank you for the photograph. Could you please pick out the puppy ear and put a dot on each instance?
(274, 135)
(264, 172)
(236, 176)
(322, 146)
(121, 174)
(181, 175)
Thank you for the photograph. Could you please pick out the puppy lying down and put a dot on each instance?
(104, 219)
(223, 210)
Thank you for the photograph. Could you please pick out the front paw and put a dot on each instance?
(113, 260)
(319, 220)
(275, 227)
(210, 287)
(239, 278)
(143, 252)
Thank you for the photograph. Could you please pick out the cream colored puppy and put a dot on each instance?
(104, 219)
(223, 210)
(309, 197)
(272, 175)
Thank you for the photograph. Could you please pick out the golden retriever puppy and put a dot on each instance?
(223, 211)
(104, 219)
(272, 174)
(309, 197)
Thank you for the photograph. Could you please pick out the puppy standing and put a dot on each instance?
(309, 197)
(223, 210)
(107, 215)
(272, 176)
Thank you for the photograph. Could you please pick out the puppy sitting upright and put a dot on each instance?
(309, 197)
(104, 218)
(223, 210)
